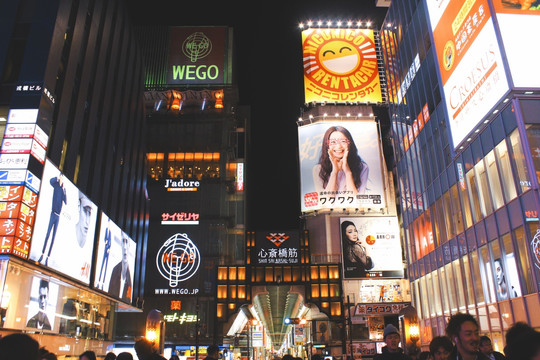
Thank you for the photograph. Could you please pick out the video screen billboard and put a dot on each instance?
(470, 62)
(327, 181)
(340, 65)
(65, 225)
(197, 55)
(516, 21)
(371, 247)
(115, 261)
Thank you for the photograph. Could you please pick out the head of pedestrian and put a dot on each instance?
(441, 347)
(392, 338)
(213, 351)
(462, 329)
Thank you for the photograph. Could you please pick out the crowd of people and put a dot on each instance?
(462, 342)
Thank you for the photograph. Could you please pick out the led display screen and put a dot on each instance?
(469, 60)
(115, 261)
(340, 65)
(324, 180)
(65, 224)
(371, 247)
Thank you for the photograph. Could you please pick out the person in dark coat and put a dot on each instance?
(18, 346)
(391, 351)
(522, 343)
(462, 329)
(487, 349)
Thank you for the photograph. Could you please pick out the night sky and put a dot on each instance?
(269, 76)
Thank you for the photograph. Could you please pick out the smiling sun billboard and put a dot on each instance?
(340, 65)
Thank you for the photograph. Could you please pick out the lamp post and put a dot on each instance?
(409, 321)
(155, 329)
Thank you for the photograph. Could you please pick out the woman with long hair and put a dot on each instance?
(356, 259)
(340, 168)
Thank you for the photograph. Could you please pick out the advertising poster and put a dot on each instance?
(470, 62)
(115, 261)
(519, 22)
(277, 247)
(340, 65)
(324, 146)
(42, 304)
(197, 55)
(371, 247)
(65, 225)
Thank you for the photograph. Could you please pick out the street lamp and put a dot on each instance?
(155, 329)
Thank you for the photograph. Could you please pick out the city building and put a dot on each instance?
(196, 152)
(74, 209)
(463, 95)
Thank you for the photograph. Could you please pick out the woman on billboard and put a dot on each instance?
(356, 260)
(340, 168)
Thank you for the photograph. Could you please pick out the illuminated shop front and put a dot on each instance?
(467, 166)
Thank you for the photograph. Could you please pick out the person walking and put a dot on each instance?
(487, 349)
(391, 351)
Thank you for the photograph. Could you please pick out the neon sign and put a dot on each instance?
(178, 259)
(180, 218)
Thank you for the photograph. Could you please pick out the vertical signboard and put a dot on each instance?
(330, 182)
(197, 56)
(371, 247)
(340, 65)
(519, 24)
(469, 60)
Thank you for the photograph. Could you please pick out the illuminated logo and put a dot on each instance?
(178, 259)
(340, 65)
(535, 245)
(196, 46)
(449, 54)
(277, 238)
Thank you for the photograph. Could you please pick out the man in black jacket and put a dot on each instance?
(462, 329)
(391, 351)
(487, 349)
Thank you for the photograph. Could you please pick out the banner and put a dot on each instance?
(340, 65)
(328, 186)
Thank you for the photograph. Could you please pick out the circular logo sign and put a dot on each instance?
(196, 46)
(340, 64)
(178, 259)
(449, 54)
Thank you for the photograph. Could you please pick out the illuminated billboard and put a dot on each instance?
(65, 225)
(518, 24)
(340, 65)
(197, 56)
(371, 247)
(42, 304)
(276, 247)
(327, 182)
(470, 62)
(115, 261)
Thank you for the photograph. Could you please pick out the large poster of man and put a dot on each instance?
(63, 237)
(371, 247)
(42, 304)
(115, 261)
(340, 165)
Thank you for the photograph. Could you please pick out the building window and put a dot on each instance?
(519, 161)
(193, 165)
(472, 189)
(155, 165)
(503, 161)
(495, 184)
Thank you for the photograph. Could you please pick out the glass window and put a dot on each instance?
(450, 228)
(459, 283)
(440, 226)
(436, 299)
(469, 289)
(495, 184)
(533, 135)
(483, 188)
(456, 209)
(477, 278)
(466, 205)
(511, 274)
(519, 162)
(487, 275)
(473, 195)
(155, 165)
(522, 242)
(503, 161)
(452, 296)
(499, 272)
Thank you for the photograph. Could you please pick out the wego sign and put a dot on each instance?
(178, 259)
(196, 55)
(340, 65)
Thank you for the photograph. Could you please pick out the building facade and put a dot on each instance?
(463, 107)
(74, 205)
(196, 153)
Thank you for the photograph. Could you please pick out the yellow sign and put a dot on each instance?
(340, 65)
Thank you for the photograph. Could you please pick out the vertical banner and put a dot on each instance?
(330, 182)
(340, 65)
(469, 60)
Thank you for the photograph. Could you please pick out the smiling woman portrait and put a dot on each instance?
(340, 168)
